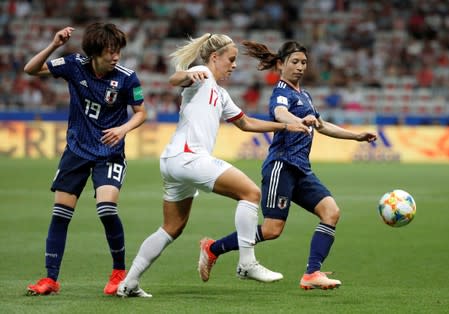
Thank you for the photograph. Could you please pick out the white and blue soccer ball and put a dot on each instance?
(397, 208)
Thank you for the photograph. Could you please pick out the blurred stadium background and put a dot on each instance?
(377, 64)
(371, 62)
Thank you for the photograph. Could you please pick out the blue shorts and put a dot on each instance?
(283, 183)
(73, 172)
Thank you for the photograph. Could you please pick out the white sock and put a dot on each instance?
(246, 226)
(149, 251)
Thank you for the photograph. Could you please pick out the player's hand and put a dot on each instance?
(311, 120)
(197, 76)
(113, 136)
(298, 127)
(62, 36)
(367, 137)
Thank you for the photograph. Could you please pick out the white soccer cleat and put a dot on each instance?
(257, 272)
(131, 290)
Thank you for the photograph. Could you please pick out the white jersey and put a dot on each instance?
(203, 105)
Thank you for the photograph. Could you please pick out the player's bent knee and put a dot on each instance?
(272, 232)
(335, 215)
(272, 236)
(331, 216)
(252, 195)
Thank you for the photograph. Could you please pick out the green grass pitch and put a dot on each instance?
(383, 269)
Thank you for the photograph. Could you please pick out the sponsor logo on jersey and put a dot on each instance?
(58, 61)
(111, 96)
(84, 83)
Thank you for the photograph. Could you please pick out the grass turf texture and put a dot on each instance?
(383, 269)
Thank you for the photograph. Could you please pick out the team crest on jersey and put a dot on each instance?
(114, 83)
(282, 202)
(111, 96)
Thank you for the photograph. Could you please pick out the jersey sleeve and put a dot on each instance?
(61, 67)
(231, 111)
(134, 93)
(280, 97)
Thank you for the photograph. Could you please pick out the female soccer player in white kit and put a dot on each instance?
(187, 164)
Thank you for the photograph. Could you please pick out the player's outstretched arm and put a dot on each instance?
(249, 124)
(37, 65)
(335, 131)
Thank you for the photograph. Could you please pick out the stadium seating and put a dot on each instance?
(398, 99)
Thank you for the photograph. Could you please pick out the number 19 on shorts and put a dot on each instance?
(116, 171)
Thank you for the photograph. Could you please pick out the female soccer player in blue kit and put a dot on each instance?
(286, 172)
(100, 92)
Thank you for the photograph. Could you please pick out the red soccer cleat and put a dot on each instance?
(114, 280)
(45, 286)
(207, 259)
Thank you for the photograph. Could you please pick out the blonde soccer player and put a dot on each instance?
(187, 164)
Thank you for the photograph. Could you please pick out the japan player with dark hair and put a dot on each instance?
(100, 92)
(287, 176)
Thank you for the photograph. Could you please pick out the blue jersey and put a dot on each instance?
(96, 104)
(289, 147)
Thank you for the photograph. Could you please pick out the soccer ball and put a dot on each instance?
(397, 208)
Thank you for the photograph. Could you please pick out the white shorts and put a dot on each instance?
(185, 173)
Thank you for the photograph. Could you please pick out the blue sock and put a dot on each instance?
(230, 242)
(107, 211)
(56, 238)
(321, 243)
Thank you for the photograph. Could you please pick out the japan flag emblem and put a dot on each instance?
(111, 96)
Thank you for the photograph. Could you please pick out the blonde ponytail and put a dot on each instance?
(201, 47)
